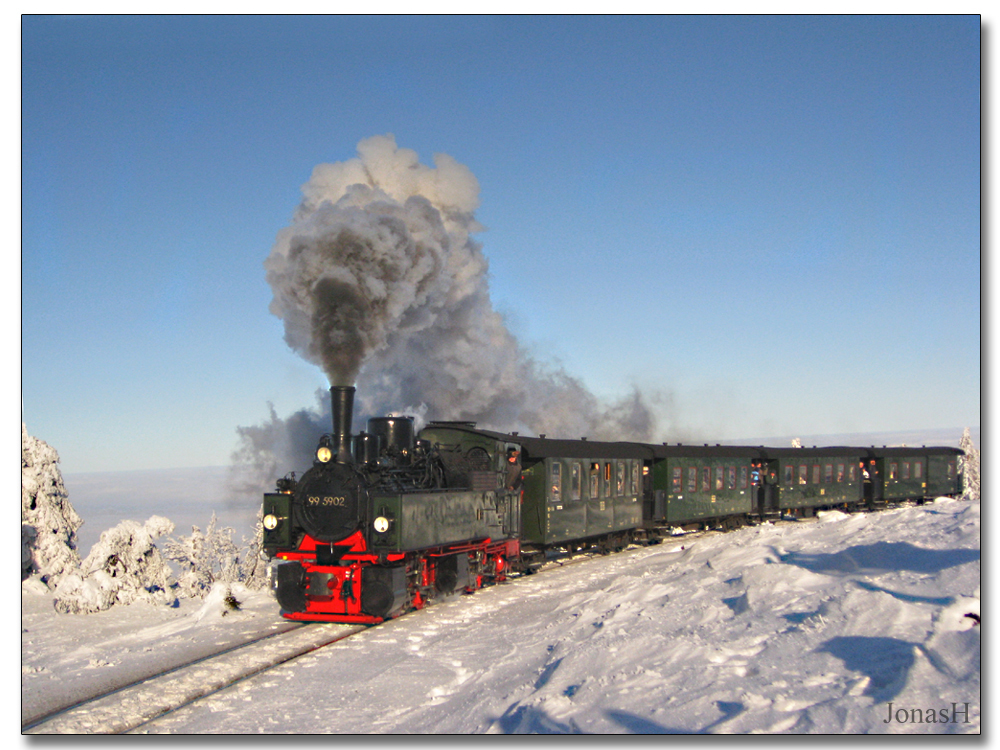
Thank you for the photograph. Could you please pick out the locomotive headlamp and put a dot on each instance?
(270, 522)
(381, 524)
(324, 454)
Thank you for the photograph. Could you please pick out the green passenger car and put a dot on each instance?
(691, 484)
(917, 473)
(808, 478)
(943, 472)
(576, 490)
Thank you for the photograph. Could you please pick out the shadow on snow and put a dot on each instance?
(520, 719)
(880, 557)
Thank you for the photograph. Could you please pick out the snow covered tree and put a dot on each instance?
(189, 552)
(222, 551)
(970, 466)
(204, 558)
(125, 566)
(253, 566)
(48, 521)
(28, 537)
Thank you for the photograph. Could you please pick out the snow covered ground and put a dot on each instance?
(810, 627)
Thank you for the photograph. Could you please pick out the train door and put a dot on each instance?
(764, 479)
(871, 475)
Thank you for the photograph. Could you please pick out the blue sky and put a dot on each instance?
(773, 222)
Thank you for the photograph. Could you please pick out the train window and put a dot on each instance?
(574, 480)
(893, 470)
(840, 473)
(556, 483)
(906, 470)
(595, 477)
(718, 478)
(918, 469)
(803, 474)
(730, 477)
(815, 479)
(789, 474)
(620, 472)
(951, 470)
(706, 479)
(692, 485)
(636, 487)
(743, 477)
(676, 485)
(852, 473)
(827, 473)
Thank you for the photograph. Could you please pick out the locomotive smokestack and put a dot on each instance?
(342, 408)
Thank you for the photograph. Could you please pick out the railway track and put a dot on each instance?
(131, 706)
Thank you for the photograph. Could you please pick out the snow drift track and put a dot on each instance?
(130, 706)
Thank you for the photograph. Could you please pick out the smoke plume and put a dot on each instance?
(379, 281)
(380, 252)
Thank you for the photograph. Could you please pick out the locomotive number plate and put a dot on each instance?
(326, 500)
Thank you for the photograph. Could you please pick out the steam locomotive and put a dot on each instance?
(386, 521)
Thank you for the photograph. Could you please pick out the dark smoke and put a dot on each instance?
(379, 282)
(338, 322)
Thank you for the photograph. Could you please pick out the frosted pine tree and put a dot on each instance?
(48, 521)
(188, 552)
(970, 466)
(222, 552)
(204, 558)
(253, 566)
(125, 566)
